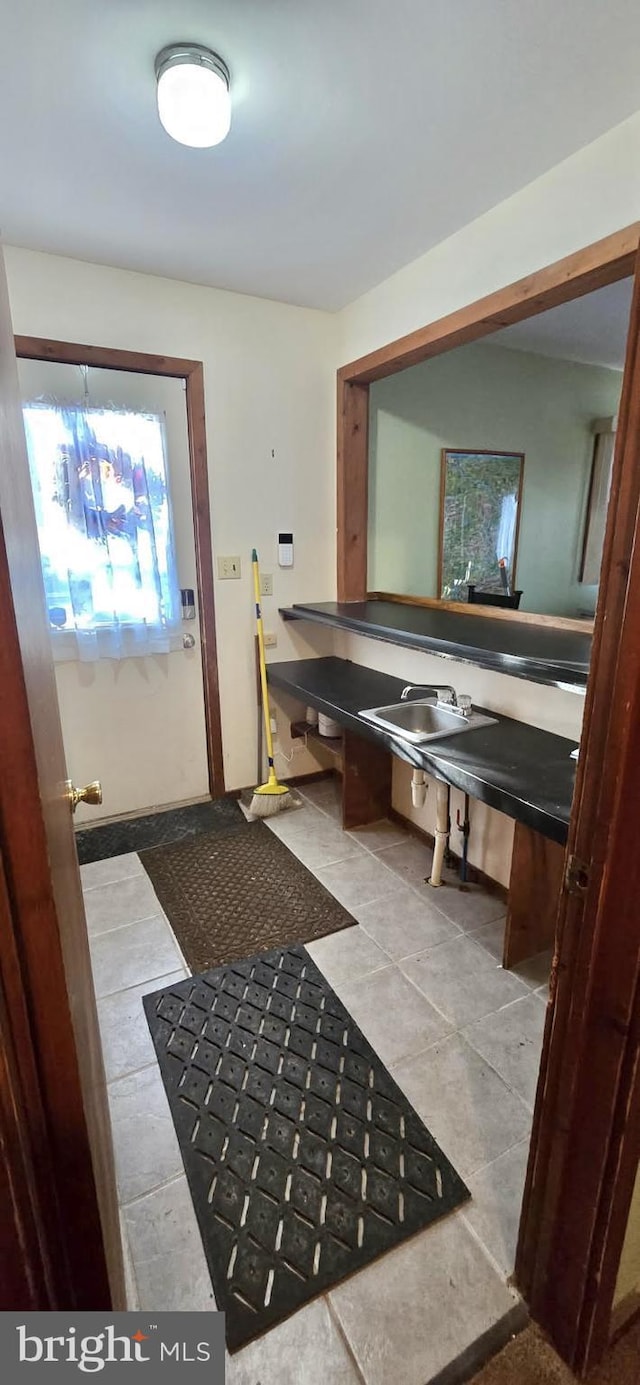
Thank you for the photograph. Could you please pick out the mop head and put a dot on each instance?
(269, 799)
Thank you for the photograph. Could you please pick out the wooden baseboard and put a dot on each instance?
(297, 780)
(476, 876)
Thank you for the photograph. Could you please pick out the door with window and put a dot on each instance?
(110, 467)
(60, 1238)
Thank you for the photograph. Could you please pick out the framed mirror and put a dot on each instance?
(480, 503)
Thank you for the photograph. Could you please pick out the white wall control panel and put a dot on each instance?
(285, 550)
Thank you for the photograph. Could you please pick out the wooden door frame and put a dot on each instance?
(604, 262)
(586, 1133)
(192, 372)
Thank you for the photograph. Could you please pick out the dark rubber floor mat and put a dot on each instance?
(155, 829)
(231, 894)
(304, 1159)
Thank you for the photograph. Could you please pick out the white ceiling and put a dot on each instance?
(364, 131)
(592, 329)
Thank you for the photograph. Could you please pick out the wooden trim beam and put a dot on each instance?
(103, 357)
(353, 504)
(192, 372)
(463, 608)
(604, 262)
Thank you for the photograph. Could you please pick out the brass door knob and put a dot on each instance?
(91, 793)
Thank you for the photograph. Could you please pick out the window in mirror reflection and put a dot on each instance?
(478, 541)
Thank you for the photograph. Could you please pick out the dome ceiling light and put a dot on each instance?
(194, 98)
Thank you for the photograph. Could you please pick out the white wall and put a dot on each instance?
(487, 397)
(270, 385)
(590, 195)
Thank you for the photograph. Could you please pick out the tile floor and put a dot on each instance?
(421, 976)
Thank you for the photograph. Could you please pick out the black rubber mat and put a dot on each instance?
(156, 829)
(229, 895)
(304, 1159)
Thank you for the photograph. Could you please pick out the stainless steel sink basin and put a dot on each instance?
(424, 720)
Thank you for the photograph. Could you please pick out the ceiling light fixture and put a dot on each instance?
(194, 100)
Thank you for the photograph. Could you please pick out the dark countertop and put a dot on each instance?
(541, 653)
(519, 769)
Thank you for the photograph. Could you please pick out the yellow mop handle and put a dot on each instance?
(263, 666)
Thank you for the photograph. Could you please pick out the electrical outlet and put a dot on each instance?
(270, 640)
(274, 726)
(229, 567)
(266, 584)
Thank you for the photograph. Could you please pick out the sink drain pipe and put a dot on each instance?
(418, 788)
(443, 828)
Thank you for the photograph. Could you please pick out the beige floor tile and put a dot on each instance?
(536, 970)
(108, 871)
(307, 1349)
(166, 1250)
(404, 924)
(411, 860)
(462, 980)
(124, 1032)
(144, 1141)
(291, 821)
(391, 1013)
(418, 1307)
(359, 880)
(375, 836)
(134, 954)
(468, 1108)
(125, 901)
(319, 842)
(491, 937)
(511, 1041)
(494, 1211)
(469, 908)
(326, 795)
(347, 955)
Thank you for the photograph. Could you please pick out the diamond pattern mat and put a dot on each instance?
(156, 829)
(304, 1159)
(232, 894)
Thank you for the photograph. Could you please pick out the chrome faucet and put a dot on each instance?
(431, 687)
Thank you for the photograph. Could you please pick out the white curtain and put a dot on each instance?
(104, 525)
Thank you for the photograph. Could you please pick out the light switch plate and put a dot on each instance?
(229, 567)
(266, 584)
(270, 640)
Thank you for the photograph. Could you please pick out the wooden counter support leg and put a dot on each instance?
(366, 781)
(537, 867)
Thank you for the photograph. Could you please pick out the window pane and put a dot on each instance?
(103, 513)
